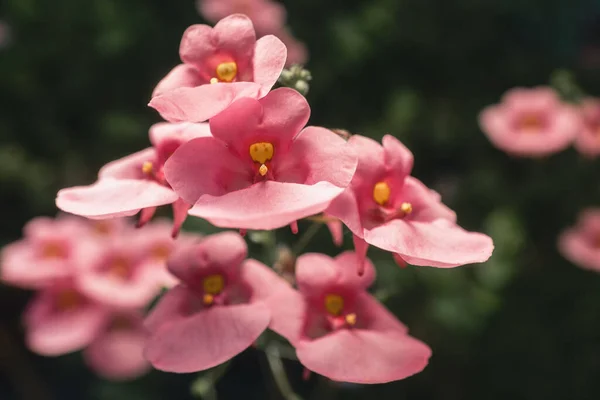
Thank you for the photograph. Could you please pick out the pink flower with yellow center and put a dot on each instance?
(581, 244)
(530, 122)
(260, 169)
(216, 312)
(386, 207)
(338, 329)
(220, 65)
(135, 183)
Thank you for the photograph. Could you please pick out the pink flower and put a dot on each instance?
(259, 170)
(60, 319)
(530, 122)
(588, 139)
(386, 207)
(581, 243)
(220, 65)
(217, 311)
(296, 50)
(267, 16)
(51, 249)
(117, 352)
(338, 329)
(135, 182)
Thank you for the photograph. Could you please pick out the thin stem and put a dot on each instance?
(204, 386)
(306, 237)
(279, 374)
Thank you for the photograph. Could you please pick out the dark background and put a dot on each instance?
(77, 75)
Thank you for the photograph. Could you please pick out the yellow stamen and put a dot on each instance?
(53, 250)
(213, 284)
(147, 167)
(120, 267)
(208, 299)
(351, 319)
(68, 300)
(214, 80)
(406, 208)
(161, 252)
(263, 170)
(227, 71)
(381, 193)
(261, 152)
(334, 304)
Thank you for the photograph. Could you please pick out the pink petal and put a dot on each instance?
(207, 338)
(371, 158)
(438, 244)
(263, 281)
(180, 212)
(348, 265)
(361, 247)
(117, 354)
(397, 157)
(345, 207)
(203, 102)
(288, 311)
(169, 308)
(425, 203)
(316, 155)
(575, 247)
(269, 59)
(265, 205)
(182, 132)
(216, 172)
(336, 229)
(113, 198)
(183, 75)
(277, 118)
(362, 356)
(129, 167)
(539, 98)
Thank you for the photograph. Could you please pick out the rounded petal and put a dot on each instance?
(575, 247)
(265, 205)
(169, 308)
(203, 102)
(345, 207)
(262, 280)
(182, 132)
(205, 166)
(113, 198)
(22, 267)
(347, 263)
(438, 244)
(426, 204)
(183, 75)
(371, 158)
(129, 167)
(269, 59)
(207, 338)
(398, 158)
(288, 312)
(277, 118)
(316, 155)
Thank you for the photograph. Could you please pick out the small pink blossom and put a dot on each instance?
(338, 329)
(581, 244)
(220, 65)
(530, 122)
(51, 249)
(588, 138)
(268, 16)
(135, 183)
(386, 207)
(261, 170)
(216, 312)
(117, 352)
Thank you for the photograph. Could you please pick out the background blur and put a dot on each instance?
(75, 78)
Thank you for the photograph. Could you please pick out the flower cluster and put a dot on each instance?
(93, 280)
(254, 165)
(535, 122)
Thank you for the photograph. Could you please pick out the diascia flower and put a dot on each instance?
(588, 138)
(386, 207)
(216, 312)
(135, 182)
(220, 64)
(338, 329)
(530, 122)
(581, 243)
(261, 170)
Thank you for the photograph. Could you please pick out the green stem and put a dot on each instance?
(306, 237)
(279, 375)
(204, 386)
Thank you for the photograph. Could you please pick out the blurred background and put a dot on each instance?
(75, 78)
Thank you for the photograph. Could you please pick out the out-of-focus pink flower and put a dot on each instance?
(267, 16)
(261, 170)
(296, 50)
(386, 207)
(220, 65)
(135, 182)
(530, 122)
(581, 243)
(588, 138)
(60, 319)
(217, 311)
(338, 329)
(51, 249)
(117, 352)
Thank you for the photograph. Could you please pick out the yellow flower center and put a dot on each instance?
(147, 167)
(53, 250)
(68, 300)
(381, 193)
(120, 268)
(406, 208)
(351, 319)
(530, 122)
(227, 71)
(213, 285)
(161, 252)
(261, 152)
(334, 304)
